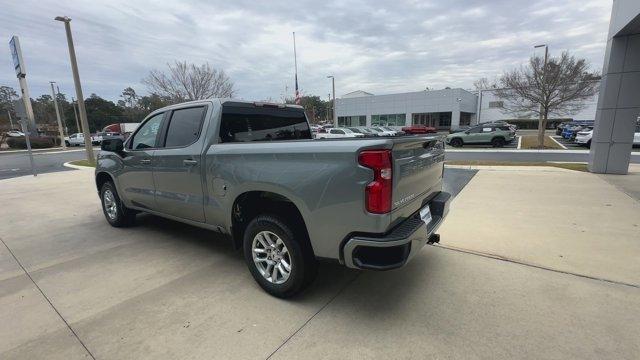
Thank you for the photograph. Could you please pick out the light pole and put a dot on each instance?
(75, 114)
(10, 119)
(55, 104)
(88, 146)
(333, 86)
(543, 125)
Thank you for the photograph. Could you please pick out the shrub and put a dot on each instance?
(37, 142)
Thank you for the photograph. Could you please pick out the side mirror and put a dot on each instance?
(112, 145)
(467, 132)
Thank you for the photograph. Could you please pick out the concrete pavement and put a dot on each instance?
(165, 290)
(567, 220)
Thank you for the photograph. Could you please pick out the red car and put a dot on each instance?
(419, 129)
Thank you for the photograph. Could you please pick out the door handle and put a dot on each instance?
(145, 161)
(190, 162)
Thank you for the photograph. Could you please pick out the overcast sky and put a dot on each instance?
(373, 45)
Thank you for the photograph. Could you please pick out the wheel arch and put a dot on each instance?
(102, 177)
(249, 204)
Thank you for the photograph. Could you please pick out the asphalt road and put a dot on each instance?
(17, 164)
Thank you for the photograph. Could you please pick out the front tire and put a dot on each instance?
(280, 259)
(114, 210)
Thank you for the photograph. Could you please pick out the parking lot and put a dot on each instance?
(73, 287)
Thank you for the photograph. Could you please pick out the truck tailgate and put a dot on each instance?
(418, 163)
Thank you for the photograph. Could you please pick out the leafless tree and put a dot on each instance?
(484, 84)
(185, 82)
(560, 88)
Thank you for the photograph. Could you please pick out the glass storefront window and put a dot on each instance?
(347, 121)
(388, 120)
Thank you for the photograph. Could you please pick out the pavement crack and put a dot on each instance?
(501, 258)
(48, 300)
(314, 315)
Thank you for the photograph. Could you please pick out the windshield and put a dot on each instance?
(356, 130)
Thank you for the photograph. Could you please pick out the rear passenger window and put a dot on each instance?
(184, 126)
(249, 123)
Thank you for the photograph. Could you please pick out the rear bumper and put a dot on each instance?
(395, 248)
(582, 139)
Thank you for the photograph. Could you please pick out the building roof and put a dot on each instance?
(357, 93)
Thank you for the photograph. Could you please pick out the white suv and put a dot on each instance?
(583, 137)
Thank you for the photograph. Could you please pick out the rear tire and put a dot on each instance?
(114, 210)
(589, 144)
(456, 142)
(497, 142)
(280, 259)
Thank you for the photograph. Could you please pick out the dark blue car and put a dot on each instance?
(571, 129)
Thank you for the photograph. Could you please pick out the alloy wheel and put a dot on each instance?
(110, 204)
(271, 257)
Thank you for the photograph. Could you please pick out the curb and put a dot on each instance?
(77, 167)
(508, 168)
(56, 150)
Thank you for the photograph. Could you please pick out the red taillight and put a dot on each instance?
(378, 192)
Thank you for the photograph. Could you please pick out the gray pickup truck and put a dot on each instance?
(253, 171)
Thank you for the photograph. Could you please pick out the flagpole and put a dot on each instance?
(295, 62)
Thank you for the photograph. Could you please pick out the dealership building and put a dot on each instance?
(443, 109)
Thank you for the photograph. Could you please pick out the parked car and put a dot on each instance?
(248, 172)
(636, 136)
(324, 128)
(459, 129)
(569, 132)
(77, 139)
(368, 131)
(333, 133)
(14, 133)
(419, 129)
(382, 132)
(561, 127)
(583, 137)
(495, 135)
(363, 132)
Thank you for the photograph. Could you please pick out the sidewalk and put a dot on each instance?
(562, 219)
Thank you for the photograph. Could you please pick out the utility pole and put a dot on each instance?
(76, 80)
(543, 123)
(10, 120)
(328, 107)
(62, 116)
(75, 114)
(333, 85)
(55, 104)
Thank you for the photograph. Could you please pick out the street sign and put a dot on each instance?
(16, 54)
